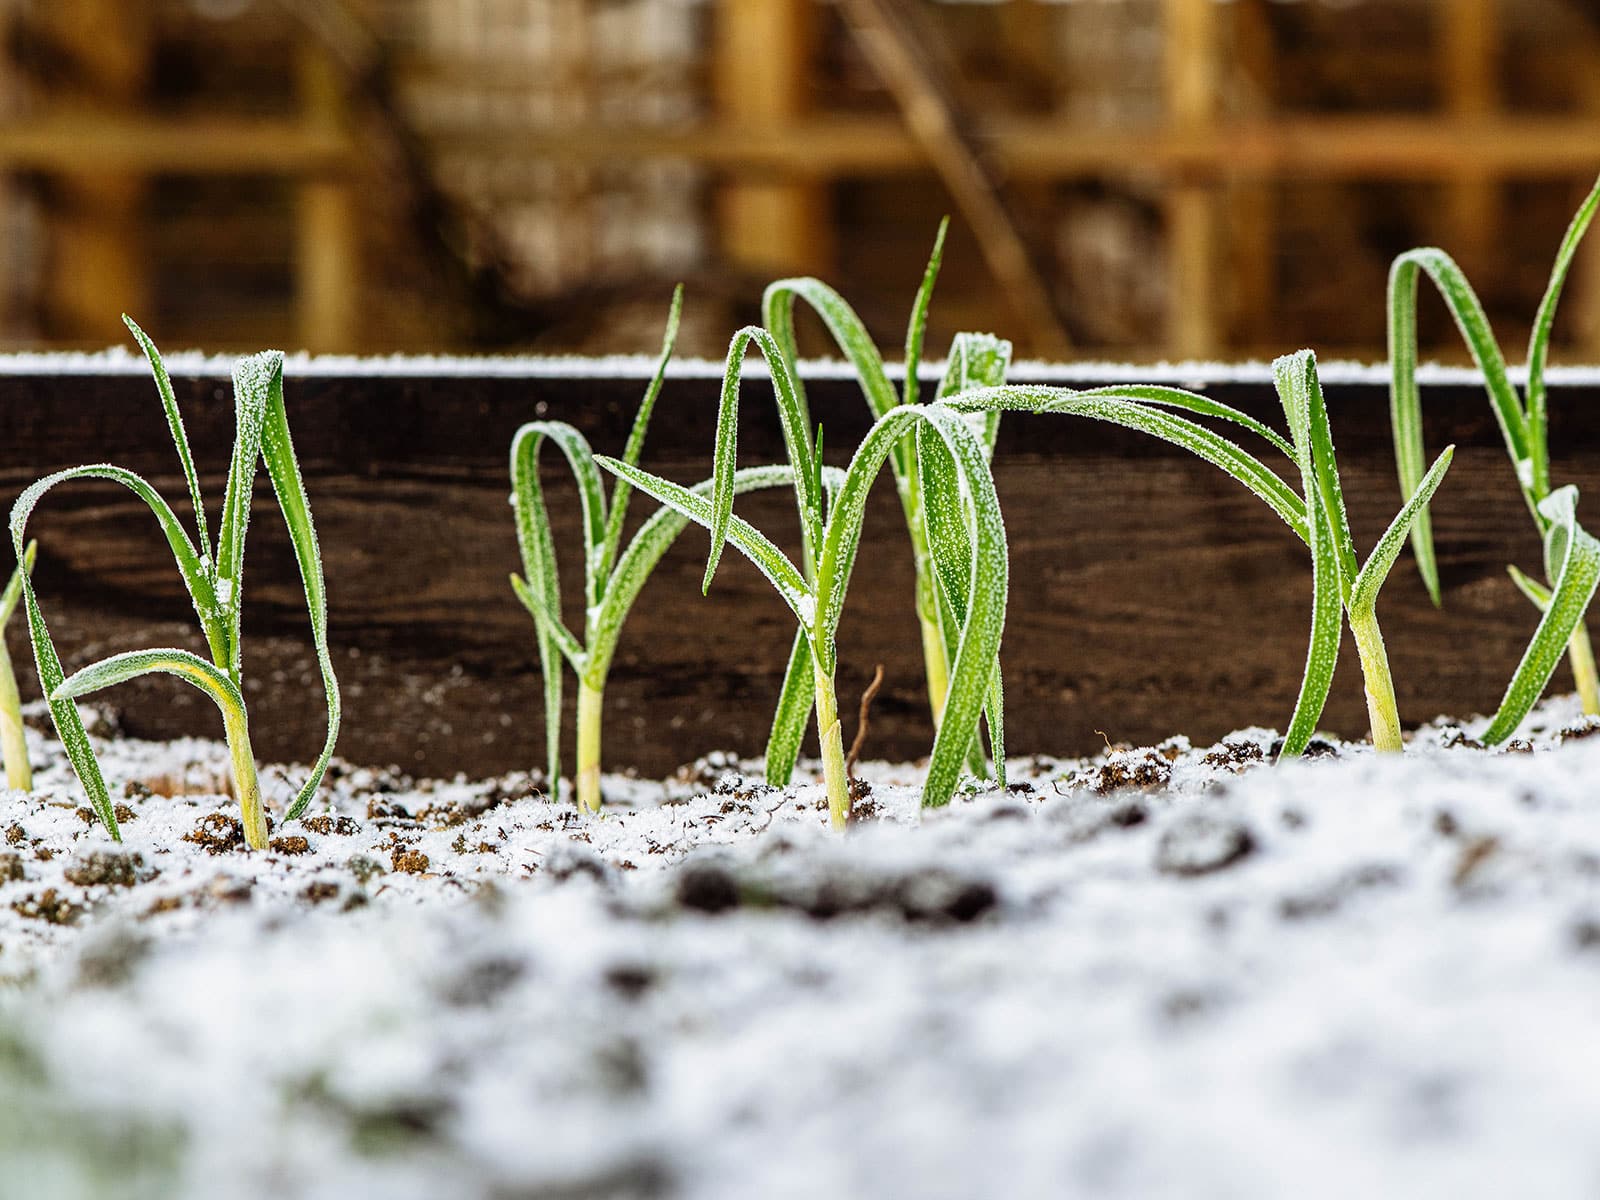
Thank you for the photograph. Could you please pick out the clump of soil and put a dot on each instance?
(932, 895)
(217, 833)
(49, 906)
(293, 845)
(1198, 843)
(408, 861)
(109, 868)
(1234, 754)
(1146, 771)
(332, 825)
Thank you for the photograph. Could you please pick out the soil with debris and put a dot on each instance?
(1171, 971)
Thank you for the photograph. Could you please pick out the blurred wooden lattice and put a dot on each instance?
(1203, 178)
(476, 75)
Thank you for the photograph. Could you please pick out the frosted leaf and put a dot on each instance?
(806, 605)
(224, 592)
(1525, 472)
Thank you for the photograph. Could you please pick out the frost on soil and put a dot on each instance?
(1161, 972)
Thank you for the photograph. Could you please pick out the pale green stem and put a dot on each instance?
(1581, 654)
(831, 735)
(1382, 711)
(13, 741)
(589, 703)
(245, 784)
(938, 667)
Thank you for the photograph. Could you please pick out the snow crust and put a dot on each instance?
(641, 367)
(1161, 972)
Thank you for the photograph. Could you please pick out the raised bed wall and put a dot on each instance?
(1150, 594)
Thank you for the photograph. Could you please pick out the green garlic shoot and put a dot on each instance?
(1570, 575)
(976, 360)
(213, 574)
(613, 577)
(1342, 589)
(13, 738)
(967, 546)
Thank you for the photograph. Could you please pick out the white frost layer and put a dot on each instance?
(639, 367)
(1348, 977)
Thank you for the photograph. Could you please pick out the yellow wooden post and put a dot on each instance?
(1468, 42)
(327, 233)
(1190, 83)
(769, 224)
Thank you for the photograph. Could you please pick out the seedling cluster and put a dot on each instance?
(940, 455)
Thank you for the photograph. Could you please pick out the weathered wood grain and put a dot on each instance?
(1151, 595)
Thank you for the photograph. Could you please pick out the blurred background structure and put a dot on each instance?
(1126, 178)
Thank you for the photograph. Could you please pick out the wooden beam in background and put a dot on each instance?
(899, 50)
(1413, 148)
(64, 141)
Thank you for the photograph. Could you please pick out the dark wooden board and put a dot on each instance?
(1151, 595)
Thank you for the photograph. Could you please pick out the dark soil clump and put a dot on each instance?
(112, 868)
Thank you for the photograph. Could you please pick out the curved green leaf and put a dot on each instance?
(1290, 373)
(1535, 591)
(119, 668)
(977, 360)
(972, 670)
(792, 714)
(256, 379)
(69, 725)
(13, 592)
(749, 541)
(618, 515)
(283, 469)
(1539, 343)
(1171, 397)
(1576, 574)
(180, 439)
(646, 549)
(1364, 594)
(549, 623)
(844, 326)
(1134, 413)
(1300, 392)
(538, 550)
(917, 326)
(796, 437)
(1405, 405)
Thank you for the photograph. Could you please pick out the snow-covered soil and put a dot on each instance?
(1169, 972)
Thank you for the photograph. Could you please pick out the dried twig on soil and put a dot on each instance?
(861, 722)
